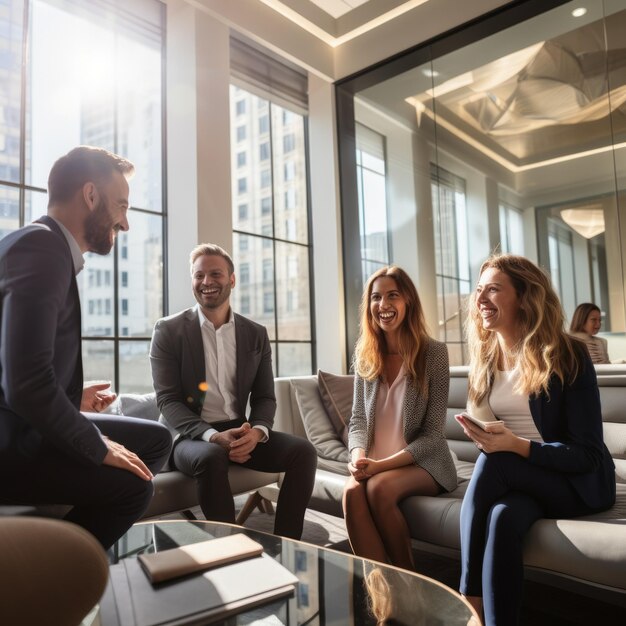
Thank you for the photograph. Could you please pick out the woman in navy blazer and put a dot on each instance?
(548, 459)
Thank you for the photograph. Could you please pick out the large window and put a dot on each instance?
(271, 241)
(451, 258)
(91, 75)
(370, 164)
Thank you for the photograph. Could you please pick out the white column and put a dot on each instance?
(326, 219)
(198, 141)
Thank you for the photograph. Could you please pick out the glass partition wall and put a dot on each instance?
(506, 135)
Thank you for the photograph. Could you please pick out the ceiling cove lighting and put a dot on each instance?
(579, 12)
(335, 41)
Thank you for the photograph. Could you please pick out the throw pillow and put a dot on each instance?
(139, 405)
(337, 392)
(319, 430)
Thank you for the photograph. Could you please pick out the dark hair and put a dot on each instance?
(211, 249)
(84, 164)
(582, 312)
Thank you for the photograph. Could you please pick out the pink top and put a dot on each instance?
(388, 423)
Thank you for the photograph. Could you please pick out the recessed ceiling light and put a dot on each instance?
(579, 12)
(427, 71)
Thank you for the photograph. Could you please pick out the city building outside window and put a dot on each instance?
(275, 231)
(79, 73)
(452, 267)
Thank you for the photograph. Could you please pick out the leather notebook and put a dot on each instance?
(162, 566)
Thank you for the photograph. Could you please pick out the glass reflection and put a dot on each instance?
(514, 142)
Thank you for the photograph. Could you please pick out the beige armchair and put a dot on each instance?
(51, 572)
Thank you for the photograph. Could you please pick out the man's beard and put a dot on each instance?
(98, 227)
(223, 295)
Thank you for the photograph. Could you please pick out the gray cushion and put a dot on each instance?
(143, 406)
(337, 392)
(319, 430)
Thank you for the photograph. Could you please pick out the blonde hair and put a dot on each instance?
(211, 249)
(544, 349)
(370, 347)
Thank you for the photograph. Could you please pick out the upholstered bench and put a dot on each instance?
(586, 555)
(173, 491)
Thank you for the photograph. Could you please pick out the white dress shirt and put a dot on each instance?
(220, 367)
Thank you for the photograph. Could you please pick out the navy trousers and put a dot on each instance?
(105, 500)
(506, 495)
(208, 463)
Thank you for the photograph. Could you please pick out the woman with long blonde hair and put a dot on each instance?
(396, 433)
(547, 458)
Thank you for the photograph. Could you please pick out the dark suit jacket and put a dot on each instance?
(40, 347)
(177, 361)
(570, 423)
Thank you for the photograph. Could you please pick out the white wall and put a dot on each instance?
(199, 176)
(326, 220)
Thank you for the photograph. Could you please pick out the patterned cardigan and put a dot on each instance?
(423, 417)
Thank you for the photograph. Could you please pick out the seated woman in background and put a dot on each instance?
(396, 433)
(548, 458)
(586, 323)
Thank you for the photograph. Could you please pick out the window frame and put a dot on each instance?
(27, 192)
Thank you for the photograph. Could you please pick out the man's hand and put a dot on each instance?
(226, 437)
(96, 397)
(119, 456)
(242, 447)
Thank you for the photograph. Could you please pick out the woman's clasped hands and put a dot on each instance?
(363, 468)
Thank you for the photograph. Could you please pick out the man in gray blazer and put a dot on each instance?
(206, 362)
(51, 452)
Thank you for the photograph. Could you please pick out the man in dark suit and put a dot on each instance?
(206, 363)
(50, 452)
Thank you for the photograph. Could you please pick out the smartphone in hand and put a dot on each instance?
(490, 426)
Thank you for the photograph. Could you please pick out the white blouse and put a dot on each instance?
(512, 408)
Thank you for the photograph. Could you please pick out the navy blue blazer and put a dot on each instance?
(569, 419)
(41, 377)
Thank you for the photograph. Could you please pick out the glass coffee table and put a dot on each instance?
(334, 587)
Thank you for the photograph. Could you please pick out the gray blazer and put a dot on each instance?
(423, 416)
(41, 376)
(177, 361)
